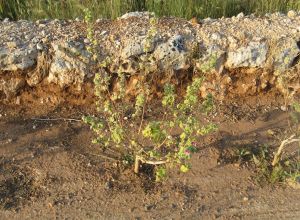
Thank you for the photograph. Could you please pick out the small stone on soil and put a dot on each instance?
(149, 207)
(283, 108)
(108, 185)
(39, 46)
(245, 199)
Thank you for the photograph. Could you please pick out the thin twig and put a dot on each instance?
(139, 160)
(154, 162)
(143, 115)
(120, 119)
(164, 141)
(281, 147)
(56, 119)
(142, 120)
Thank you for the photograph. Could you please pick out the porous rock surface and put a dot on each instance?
(54, 52)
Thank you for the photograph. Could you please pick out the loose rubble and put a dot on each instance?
(54, 52)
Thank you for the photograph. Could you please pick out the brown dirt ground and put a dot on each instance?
(49, 170)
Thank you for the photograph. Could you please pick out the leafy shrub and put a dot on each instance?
(152, 141)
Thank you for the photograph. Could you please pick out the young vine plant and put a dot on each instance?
(166, 142)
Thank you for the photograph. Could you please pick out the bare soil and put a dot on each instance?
(50, 170)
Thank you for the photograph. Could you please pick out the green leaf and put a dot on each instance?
(171, 124)
(208, 104)
(192, 149)
(117, 135)
(169, 96)
(296, 107)
(154, 132)
(207, 129)
(139, 104)
(184, 168)
(161, 174)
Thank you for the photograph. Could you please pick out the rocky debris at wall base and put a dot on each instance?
(11, 87)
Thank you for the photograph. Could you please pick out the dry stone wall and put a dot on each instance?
(54, 52)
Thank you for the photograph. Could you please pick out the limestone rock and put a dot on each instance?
(40, 72)
(172, 54)
(137, 14)
(17, 58)
(135, 46)
(284, 54)
(252, 55)
(291, 14)
(240, 15)
(211, 59)
(69, 65)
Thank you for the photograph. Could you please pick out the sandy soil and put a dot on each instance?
(49, 170)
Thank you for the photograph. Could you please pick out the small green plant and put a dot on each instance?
(283, 144)
(164, 142)
(265, 172)
(160, 174)
(295, 114)
(208, 64)
(242, 155)
(293, 175)
(275, 169)
(295, 137)
(269, 173)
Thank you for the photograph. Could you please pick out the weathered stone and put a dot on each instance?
(213, 59)
(172, 54)
(253, 55)
(136, 46)
(20, 58)
(284, 54)
(69, 65)
(240, 15)
(292, 14)
(40, 72)
(137, 14)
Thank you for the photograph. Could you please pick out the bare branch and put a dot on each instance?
(284, 143)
